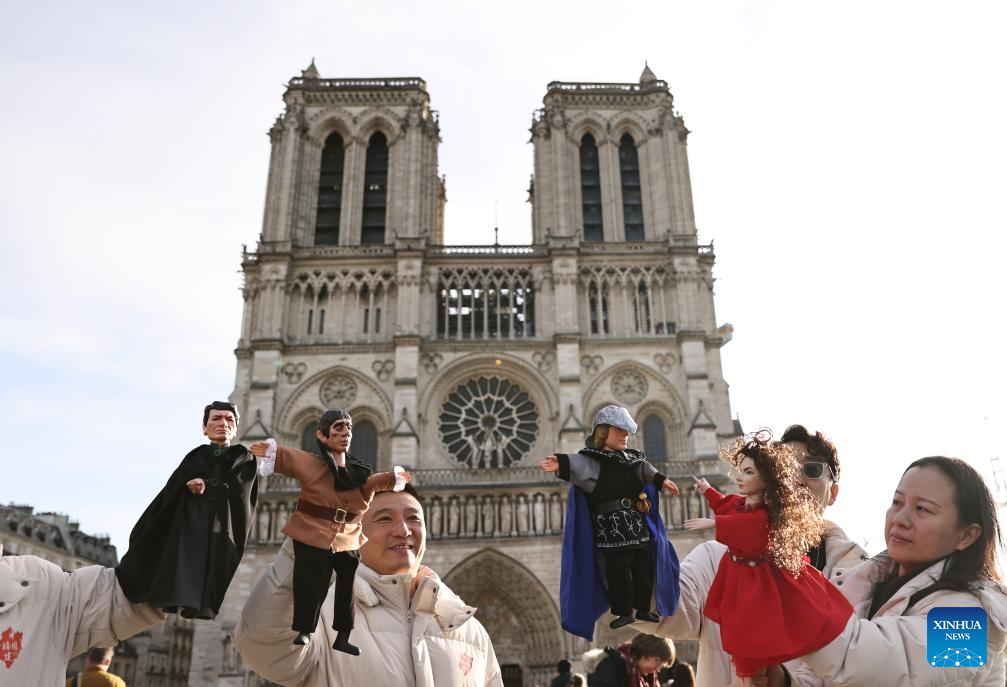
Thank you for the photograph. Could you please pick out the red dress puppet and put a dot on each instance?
(766, 615)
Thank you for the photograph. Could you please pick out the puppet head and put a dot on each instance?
(219, 428)
(610, 416)
(334, 431)
(794, 514)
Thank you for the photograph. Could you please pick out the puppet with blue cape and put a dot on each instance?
(615, 546)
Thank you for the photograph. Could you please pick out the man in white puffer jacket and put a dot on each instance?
(411, 629)
(48, 616)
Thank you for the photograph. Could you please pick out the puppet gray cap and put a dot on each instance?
(616, 416)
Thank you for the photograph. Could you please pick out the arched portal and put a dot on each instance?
(516, 609)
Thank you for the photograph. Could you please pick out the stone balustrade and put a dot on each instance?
(408, 83)
(481, 504)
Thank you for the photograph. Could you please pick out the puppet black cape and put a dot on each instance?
(185, 547)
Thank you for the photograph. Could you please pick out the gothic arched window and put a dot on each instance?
(364, 446)
(375, 190)
(330, 192)
(590, 189)
(655, 438)
(308, 442)
(632, 196)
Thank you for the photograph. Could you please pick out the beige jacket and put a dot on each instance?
(48, 616)
(890, 650)
(432, 641)
(713, 667)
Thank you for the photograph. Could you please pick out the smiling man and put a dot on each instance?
(835, 554)
(411, 629)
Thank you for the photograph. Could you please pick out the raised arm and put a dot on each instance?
(395, 480)
(696, 577)
(889, 649)
(287, 461)
(87, 606)
(648, 474)
(263, 636)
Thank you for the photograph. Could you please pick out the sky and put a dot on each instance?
(847, 163)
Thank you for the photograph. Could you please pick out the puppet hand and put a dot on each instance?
(196, 486)
(701, 484)
(700, 524)
(406, 476)
(258, 449)
(670, 486)
(550, 464)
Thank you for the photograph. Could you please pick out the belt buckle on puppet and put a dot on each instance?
(340, 520)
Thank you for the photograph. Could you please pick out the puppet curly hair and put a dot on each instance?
(796, 522)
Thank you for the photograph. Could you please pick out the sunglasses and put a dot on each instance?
(816, 470)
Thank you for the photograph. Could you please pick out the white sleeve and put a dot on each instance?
(93, 610)
(400, 480)
(695, 578)
(263, 635)
(891, 651)
(268, 463)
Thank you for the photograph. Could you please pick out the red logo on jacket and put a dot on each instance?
(465, 663)
(10, 646)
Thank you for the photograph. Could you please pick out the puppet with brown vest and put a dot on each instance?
(336, 490)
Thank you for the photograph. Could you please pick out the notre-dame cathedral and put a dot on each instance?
(469, 364)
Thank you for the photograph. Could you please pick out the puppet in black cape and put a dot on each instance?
(185, 548)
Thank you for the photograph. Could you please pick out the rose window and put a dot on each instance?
(488, 423)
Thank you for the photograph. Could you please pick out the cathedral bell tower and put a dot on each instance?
(352, 199)
(612, 199)
(353, 163)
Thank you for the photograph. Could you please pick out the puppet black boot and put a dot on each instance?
(342, 643)
(648, 616)
(621, 621)
(302, 638)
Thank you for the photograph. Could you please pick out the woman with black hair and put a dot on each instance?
(942, 535)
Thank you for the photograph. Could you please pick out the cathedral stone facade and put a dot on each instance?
(469, 364)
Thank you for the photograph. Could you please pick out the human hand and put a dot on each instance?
(421, 572)
(671, 487)
(196, 486)
(701, 484)
(258, 449)
(550, 464)
(700, 524)
(773, 676)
